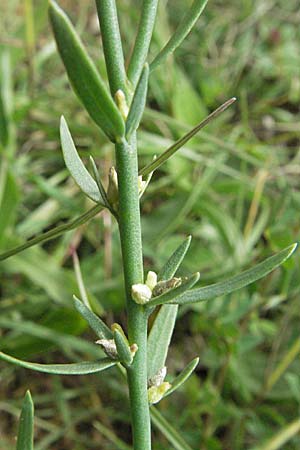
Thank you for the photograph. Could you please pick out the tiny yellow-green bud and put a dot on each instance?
(151, 281)
(112, 190)
(141, 293)
(121, 103)
(109, 347)
(156, 393)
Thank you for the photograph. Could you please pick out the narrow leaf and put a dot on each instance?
(172, 295)
(84, 76)
(162, 329)
(159, 338)
(100, 328)
(138, 103)
(237, 281)
(112, 45)
(183, 29)
(143, 39)
(76, 167)
(182, 141)
(25, 432)
(123, 349)
(54, 233)
(282, 437)
(81, 368)
(173, 263)
(100, 185)
(183, 376)
(170, 433)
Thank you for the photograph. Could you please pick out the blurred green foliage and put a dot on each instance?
(235, 188)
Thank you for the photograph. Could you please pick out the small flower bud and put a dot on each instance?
(112, 190)
(156, 393)
(109, 347)
(121, 103)
(141, 293)
(158, 378)
(151, 281)
(166, 285)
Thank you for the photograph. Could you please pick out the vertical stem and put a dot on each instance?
(142, 42)
(131, 243)
(112, 45)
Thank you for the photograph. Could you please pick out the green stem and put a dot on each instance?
(142, 42)
(112, 45)
(131, 243)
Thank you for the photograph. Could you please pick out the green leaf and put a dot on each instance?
(171, 295)
(84, 76)
(54, 233)
(25, 432)
(183, 29)
(81, 368)
(138, 103)
(100, 328)
(162, 329)
(76, 167)
(170, 433)
(123, 349)
(182, 141)
(237, 281)
(173, 263)
(183, 376)
(159, 338)
(282, 437)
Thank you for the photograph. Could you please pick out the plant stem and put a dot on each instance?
(131, 243)
(142, 42)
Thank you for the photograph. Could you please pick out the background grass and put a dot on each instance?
(235, 188)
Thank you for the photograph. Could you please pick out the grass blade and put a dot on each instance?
(81, 368)
(54, 233)
(181, 32)
(84, 76)
(138, 103)
(281, 438)
(173, 263)
(182, 141)
(172, 295)
(100, 328)
(159, 338)
(76, 167)
(25, 432)
(238, 281)
(183, 376)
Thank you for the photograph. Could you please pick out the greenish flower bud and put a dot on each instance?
(121, 103)
(156, 393)
(141, 293)
(112, 190)
(151, 280)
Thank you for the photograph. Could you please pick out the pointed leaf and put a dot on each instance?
(168, 430)
(138, 103)
(160, 337)
(183, 29)
(84, 76)
(54, 233)
(182, 141)
(172, 295)
(182, 377)
(76, 167)
(99, 184)
(173, 263)
(25, 432)
(123, 349)
(81, 368)
(238, 281)
(100, 328)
